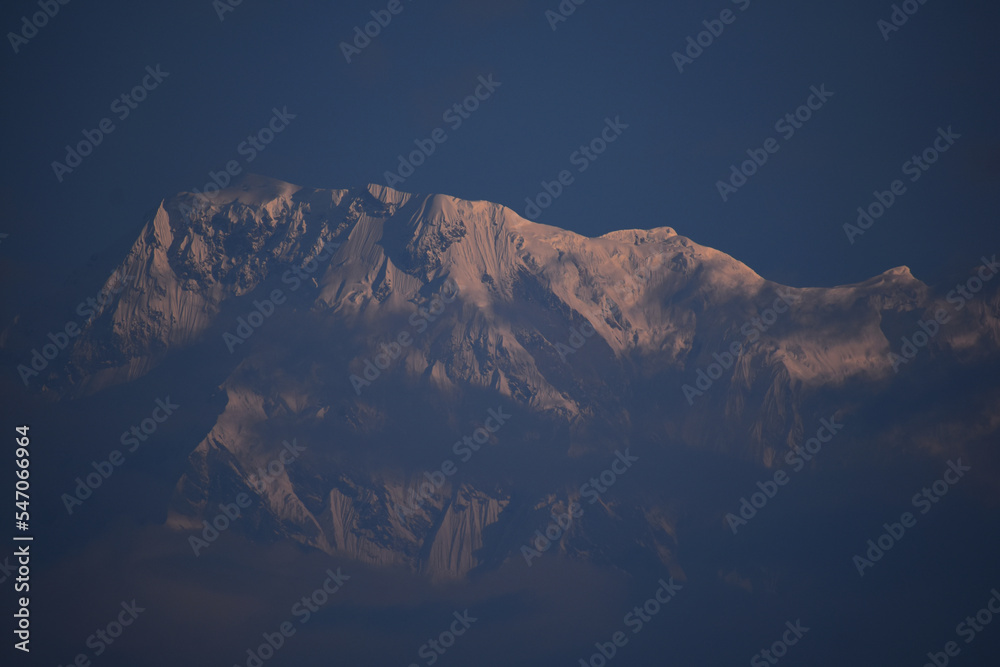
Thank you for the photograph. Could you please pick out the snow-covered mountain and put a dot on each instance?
(366, 323)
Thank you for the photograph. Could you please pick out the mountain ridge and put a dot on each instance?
(591, 341)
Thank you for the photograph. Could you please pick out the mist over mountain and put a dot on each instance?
(348, 320)
(439, 388)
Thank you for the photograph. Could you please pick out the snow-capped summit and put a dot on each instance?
(351, 316)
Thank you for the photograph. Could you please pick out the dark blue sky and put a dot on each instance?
(557, 87)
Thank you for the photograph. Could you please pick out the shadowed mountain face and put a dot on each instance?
(426, 382)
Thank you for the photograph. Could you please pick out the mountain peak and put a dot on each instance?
(647, 293)
(451, 301)
(902, 271)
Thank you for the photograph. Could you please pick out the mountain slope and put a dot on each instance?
(366, 323)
